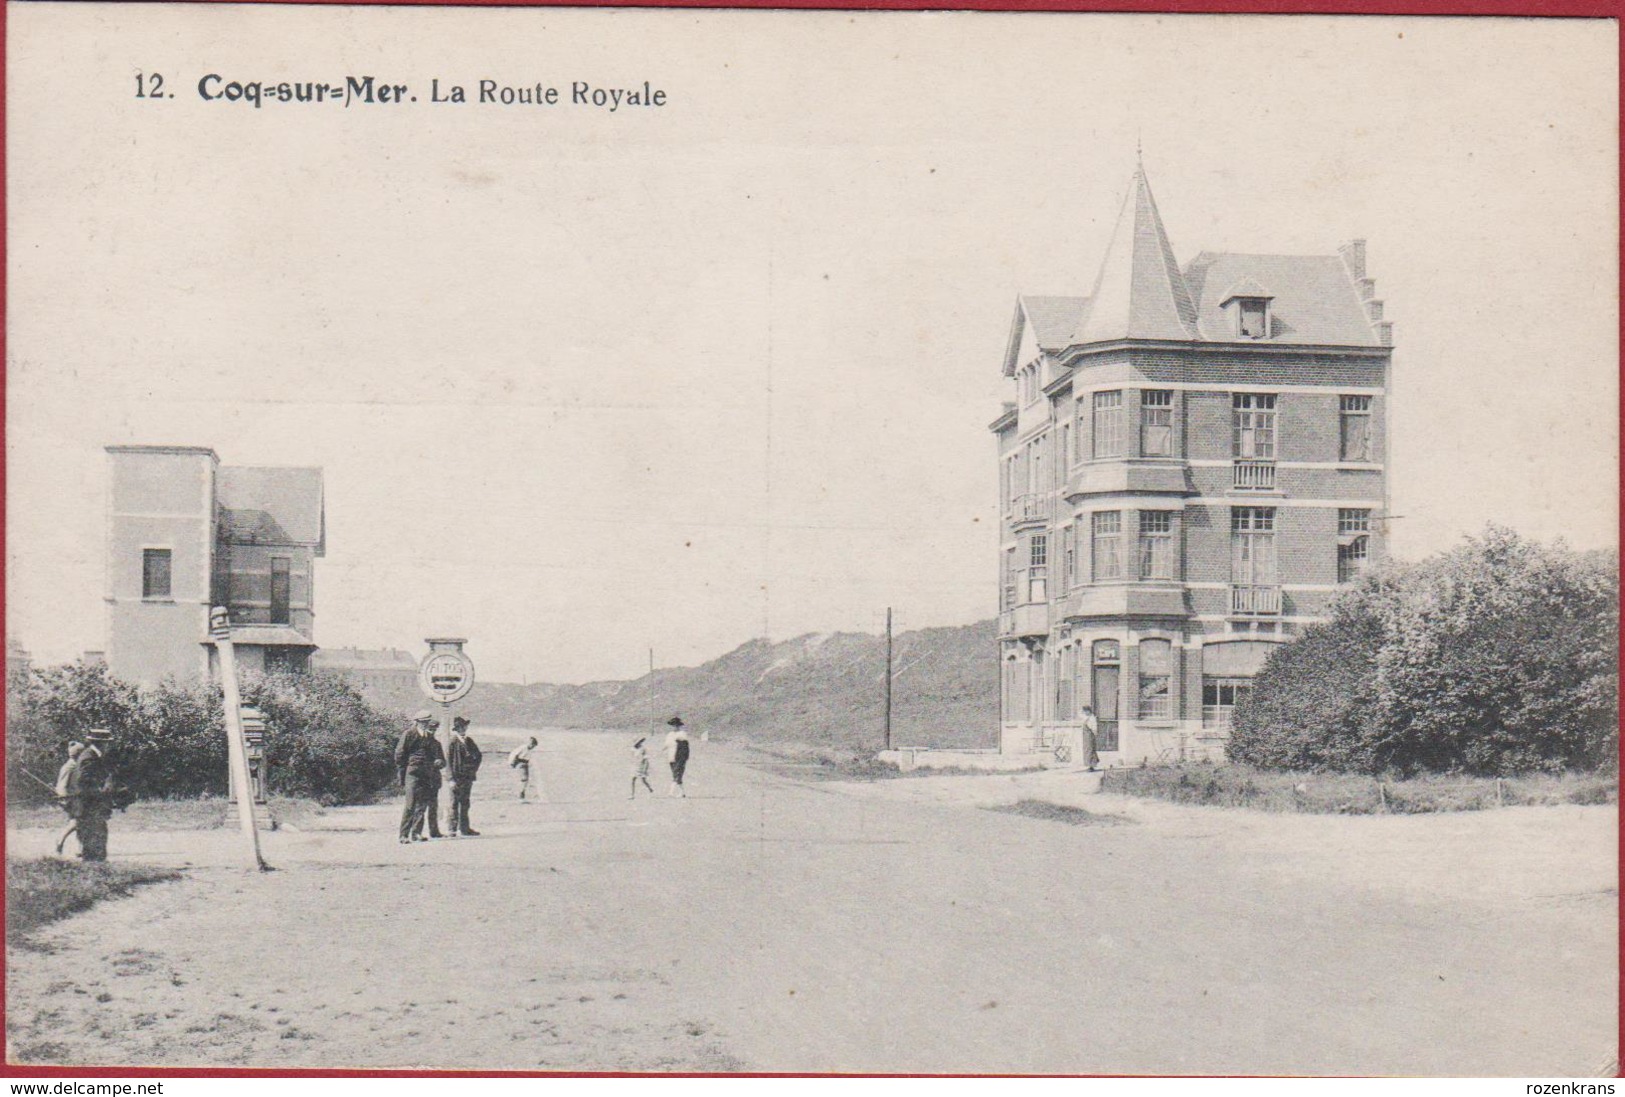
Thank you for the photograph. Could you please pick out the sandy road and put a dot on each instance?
(773, 924)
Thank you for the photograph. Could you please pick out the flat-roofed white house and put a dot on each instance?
(185, 533)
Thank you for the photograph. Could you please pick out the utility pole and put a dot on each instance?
(888, 677)
(651, 697)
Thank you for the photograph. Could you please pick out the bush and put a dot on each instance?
(325, 741)
(1498, 658)
(1311, 708)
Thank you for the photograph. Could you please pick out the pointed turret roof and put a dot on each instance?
(1140, 293)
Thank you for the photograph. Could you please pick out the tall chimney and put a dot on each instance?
(1353, 254)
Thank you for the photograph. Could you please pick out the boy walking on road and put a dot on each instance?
(640, 768)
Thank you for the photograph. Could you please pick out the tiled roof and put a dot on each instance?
(1053, 319)
(1140, 292)
(1315, 299)
(262, 505)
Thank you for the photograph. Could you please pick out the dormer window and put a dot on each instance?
(1254, 316)
(1248, 306)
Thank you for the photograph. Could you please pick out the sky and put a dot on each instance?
(585, 383)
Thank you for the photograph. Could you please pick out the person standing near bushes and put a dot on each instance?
(64, 778)
(463, 760)
(92, 794)
(418, 761)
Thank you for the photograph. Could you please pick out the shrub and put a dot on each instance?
(48, 707)
(1312, 707)
(1497, 658)
(325, 741)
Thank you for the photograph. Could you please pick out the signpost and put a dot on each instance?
(236, 748)
(445, 676)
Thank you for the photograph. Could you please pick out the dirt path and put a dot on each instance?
(765, 924)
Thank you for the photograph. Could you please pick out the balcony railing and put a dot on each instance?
(1254, 601)
(1033, 507)
(1255, 475)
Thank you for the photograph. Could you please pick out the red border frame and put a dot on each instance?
(1562, 9)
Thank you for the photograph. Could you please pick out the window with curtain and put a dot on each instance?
(1108, 424)
(1253, 435)
(1107, 555)
(1157, 423)
(1252, 546)
(1351, 559)
(1156, 677)
(1353, 542)
(1069, 558)
(1355, 413)
(1038, 568)
(1255, 314)
(1156, 544)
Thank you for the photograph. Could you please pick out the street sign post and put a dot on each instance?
(236, 746)
(445, 676)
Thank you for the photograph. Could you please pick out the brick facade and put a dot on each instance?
(1194, 527)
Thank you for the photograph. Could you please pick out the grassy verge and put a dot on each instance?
(43, 889)
(210, 813)
(1352, 794)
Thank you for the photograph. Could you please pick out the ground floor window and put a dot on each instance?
(1156, 674)
(1220, 696)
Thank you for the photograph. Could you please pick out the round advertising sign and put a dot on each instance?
(445, 676)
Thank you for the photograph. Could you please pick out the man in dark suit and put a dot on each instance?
(418, 760)
(463, 761)
(92, 794)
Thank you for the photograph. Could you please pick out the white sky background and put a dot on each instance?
(583, 383)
